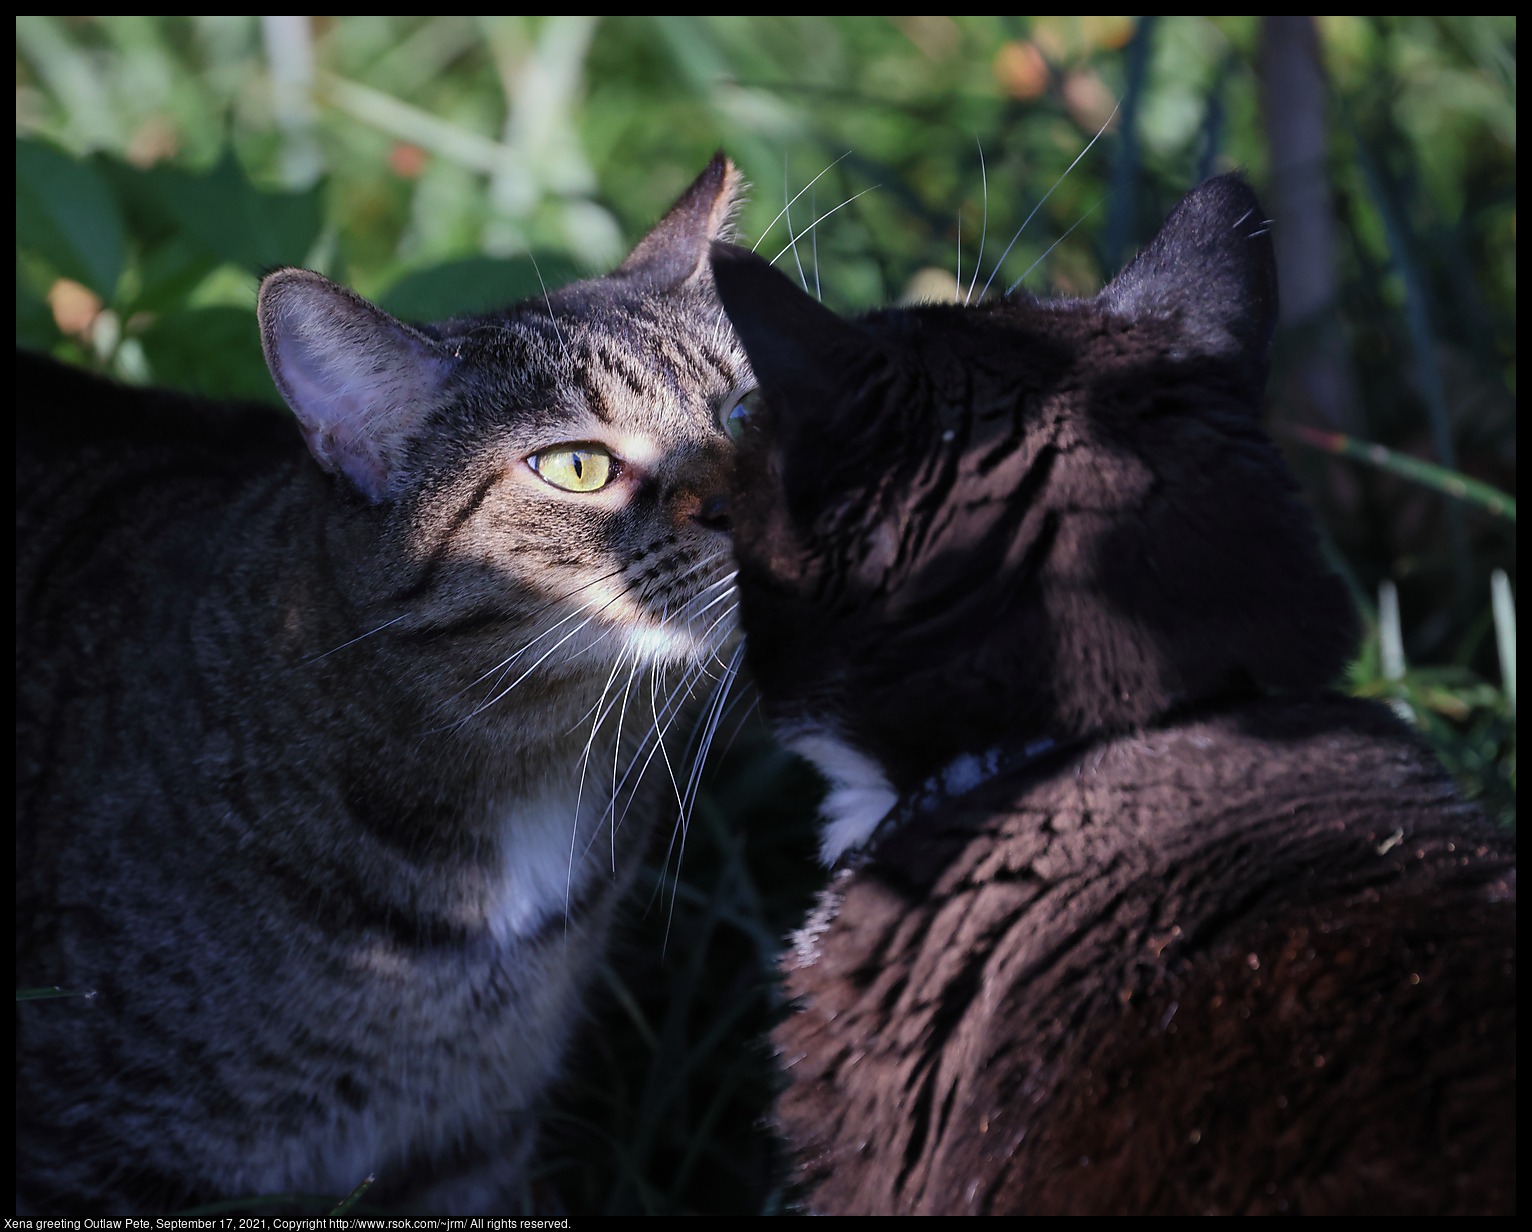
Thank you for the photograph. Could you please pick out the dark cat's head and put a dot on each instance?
(963, 525)
(551, 478)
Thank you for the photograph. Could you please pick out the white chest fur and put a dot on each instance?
(860, 793)
(551, 845)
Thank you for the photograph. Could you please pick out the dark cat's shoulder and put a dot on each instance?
(1261, 960)
(65, 407)
(1134, 916)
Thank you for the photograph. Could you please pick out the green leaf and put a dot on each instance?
(234, 220)
(211, 351)
(170, 272)
(35, 327)
(144, 212)
(68, 214)
(476, 285)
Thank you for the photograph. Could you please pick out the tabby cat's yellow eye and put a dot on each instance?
(575, 468)
(737, 412)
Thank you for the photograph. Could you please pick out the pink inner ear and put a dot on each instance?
(359, 381)
(348, 454)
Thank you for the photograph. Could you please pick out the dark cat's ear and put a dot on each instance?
(676, 251)
(359, 381)
(798, 348)
(1211, 265)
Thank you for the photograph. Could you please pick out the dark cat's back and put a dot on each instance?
(1132, 915)
(1259, 961)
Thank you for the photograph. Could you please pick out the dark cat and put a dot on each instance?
(324, 785)
(1134, 917)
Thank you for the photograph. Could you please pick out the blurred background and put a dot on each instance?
(449, 164)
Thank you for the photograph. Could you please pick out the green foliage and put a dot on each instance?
(166, 233)
(475, 284)
(68, 216)
(208, 350)
(447, 164)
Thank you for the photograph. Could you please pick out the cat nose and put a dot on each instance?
(713, 513)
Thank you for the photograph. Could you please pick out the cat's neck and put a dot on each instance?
(863, 808)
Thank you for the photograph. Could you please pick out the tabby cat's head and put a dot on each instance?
(958, 525)
(551, 477)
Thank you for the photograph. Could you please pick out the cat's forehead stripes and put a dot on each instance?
(648, 368)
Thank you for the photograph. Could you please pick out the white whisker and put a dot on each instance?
(616, 753)
(823, 216)
(506, 662)
(548, 303)
(508, 689)
(983, 232)
(353, 641)
(814, 205)
(1054, 245)
(805, 189)
(788, 213)
(505, 665)
(1039, 205)
(595, 727)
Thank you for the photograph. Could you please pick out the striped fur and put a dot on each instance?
(332, 776)
(1153, 924)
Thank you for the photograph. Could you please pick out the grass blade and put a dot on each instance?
(1504, 608)
(1448, 482)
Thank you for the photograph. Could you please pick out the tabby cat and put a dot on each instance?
(1132, 916)
(325, 789)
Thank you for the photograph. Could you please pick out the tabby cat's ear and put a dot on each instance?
(1211, 263)
(359, 381)
(799, 350)
(676, 251)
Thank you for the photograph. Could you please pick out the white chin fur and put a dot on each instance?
(860, 794)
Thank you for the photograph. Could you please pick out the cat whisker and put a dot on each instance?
(787, 212)
(805, 189)
(713, 712)
(1046, 195)
(814, 205)
(730, 615)
(353, 641)
(825, 215)
(506, 664)
(510, 687)
(722, 619)
(983, 232)
(595, 727)
(1054, 245)
(539, 610)
(617, 753)
(548, 303)
(596, 709)
(635, 670)
(664, 718)
(723, 595)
